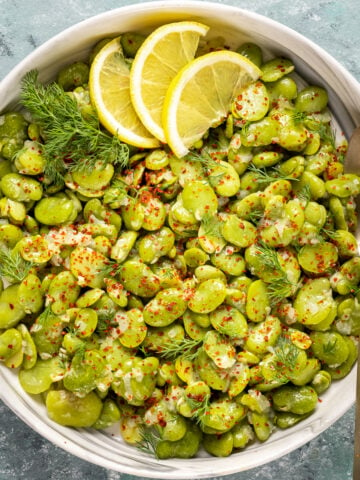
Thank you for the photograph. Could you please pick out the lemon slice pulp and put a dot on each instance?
(109, 85)
(200, 96)
(163, 53)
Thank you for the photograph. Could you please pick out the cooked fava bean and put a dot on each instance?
(165, 308)
(208, 296)
(68, 409)
(298, 400)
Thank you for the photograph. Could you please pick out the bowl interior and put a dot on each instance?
(315, 66)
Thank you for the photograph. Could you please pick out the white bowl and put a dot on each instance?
(315, 66)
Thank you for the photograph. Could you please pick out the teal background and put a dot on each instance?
(24, 25)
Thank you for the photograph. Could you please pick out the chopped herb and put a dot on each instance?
(304, 194)
(286, 352)
(149, 440)
(298, 117)
(280, 286)
(329, 347)
(211, 226)
(186, 348)
(200, 408)
(44, 316)
(13, 267)
(254, 216)
(204, 158)
(267, 176)
(73, 142)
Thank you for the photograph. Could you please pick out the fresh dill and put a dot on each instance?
(298, 117)
(329, 348)
(123, 189)
(304, 194)
(44, 316)
(111, 268)
(199, 407)
(104, 325)
(187, 348)
(13, 267)
(72, 142)
(355, 290)
(211, 226)
(280, 286)
(255, 216)
(80, 351)
(327, 134)
(332, 234)
(215, 178)
(286, 356)
(150, 438)
(204, 159)
(267, 176)
(286, 352)
(105, 319)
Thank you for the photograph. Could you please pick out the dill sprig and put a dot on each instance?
(298, 117)
(150, 438)
(267, 176)
(280, 286)
(286, 355)
(187, 348)
(80, 351)
(327, 134)
(304, 194)
(329, 347)
(204, 159)
(105, 319)
(255, 216)
(199, 407)
(355, 290)
(278, 289)
(286, 352)
(44, 316)
(215, 178)
(72, 142)
(13, 267)
(211, 226)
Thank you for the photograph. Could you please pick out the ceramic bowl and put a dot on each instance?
(315, 66)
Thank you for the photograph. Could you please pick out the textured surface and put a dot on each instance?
(332, 24)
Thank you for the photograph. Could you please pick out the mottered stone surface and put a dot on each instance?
(24, 25)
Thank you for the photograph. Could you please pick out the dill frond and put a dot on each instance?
(13, 267)
(150, 438)
(254, 216)
(298, 117)
(267, 176)
(204, 159)
(72, 142)
(329, 347)
(280, 287)
(44, 316)
(327, 134)
(286, 352)
(200, 408)
(187, 348)
(304, 194)
(211, 226)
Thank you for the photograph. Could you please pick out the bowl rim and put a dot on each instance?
(14, 400)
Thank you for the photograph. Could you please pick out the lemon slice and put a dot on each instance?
(200, 96)
(109, 85)
(163, 53)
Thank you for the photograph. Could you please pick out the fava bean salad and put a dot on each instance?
(200, 302)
